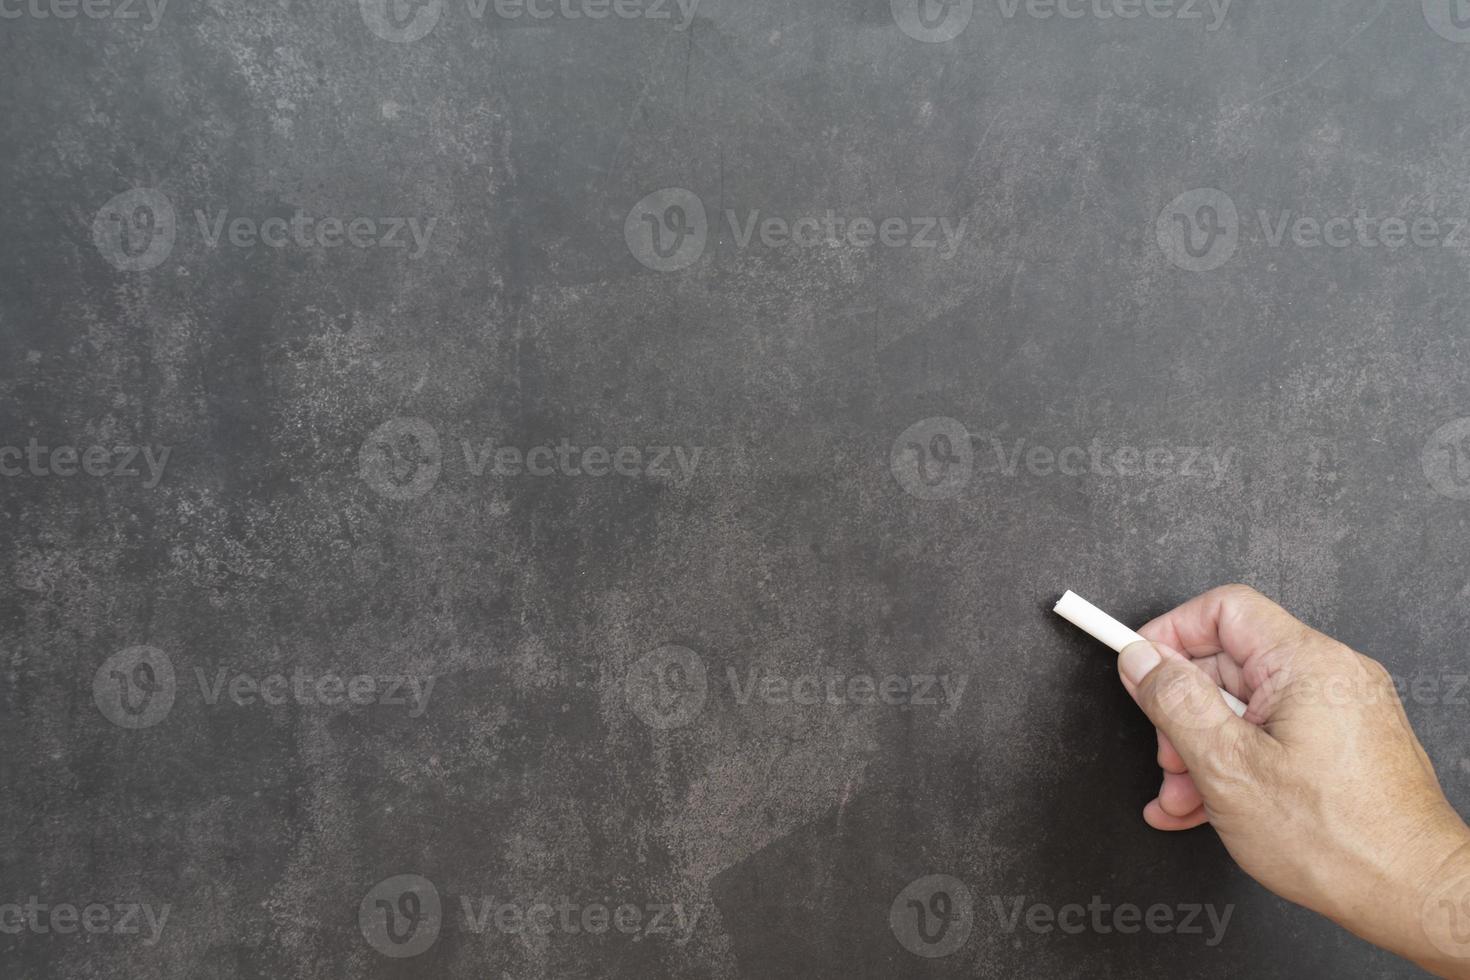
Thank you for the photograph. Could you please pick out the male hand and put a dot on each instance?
(1321, 792)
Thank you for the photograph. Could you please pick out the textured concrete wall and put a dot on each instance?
(489, 495)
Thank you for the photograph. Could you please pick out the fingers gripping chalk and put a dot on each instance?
(1107, 630)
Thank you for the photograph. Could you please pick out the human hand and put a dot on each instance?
(1321, 792)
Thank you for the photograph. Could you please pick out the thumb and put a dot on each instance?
(1183, 703)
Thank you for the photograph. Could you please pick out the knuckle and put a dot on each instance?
(1239, 591)
(1375, 670)
(1378, 680)
(1338, 678)
(1312, 659)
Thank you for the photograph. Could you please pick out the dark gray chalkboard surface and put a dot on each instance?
(575, 488)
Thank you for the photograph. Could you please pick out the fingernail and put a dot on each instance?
(1138, 660)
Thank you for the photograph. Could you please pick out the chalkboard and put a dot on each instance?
(575, 488)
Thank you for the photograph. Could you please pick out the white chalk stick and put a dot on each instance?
(1107, 630)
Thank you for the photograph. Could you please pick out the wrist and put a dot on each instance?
(1413, 897)
(1441, 901)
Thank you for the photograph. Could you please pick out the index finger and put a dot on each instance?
(1235, 620)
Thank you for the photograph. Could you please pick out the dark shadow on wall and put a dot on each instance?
(816, 903)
